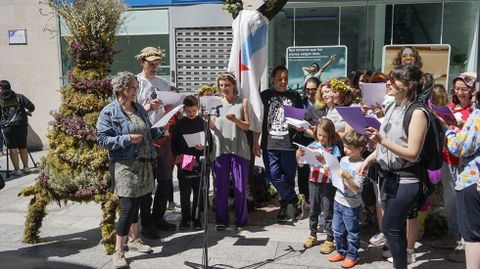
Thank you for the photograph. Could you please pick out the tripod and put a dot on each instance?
(7, 172)
(204, 177)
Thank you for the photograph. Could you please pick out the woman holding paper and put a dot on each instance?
(398, 154)
(124, 128)
(461, 106)
(232, 153)
(466, 145)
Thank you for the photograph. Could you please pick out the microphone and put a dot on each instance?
(217, 110)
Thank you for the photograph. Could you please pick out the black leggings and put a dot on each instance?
(128, 214)
(394, 221)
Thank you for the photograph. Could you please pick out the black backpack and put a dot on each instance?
(431, 156)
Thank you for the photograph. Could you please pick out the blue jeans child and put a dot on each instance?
(346, 230)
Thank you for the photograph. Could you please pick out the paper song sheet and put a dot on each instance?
(298, 123)
(373, 93)
(293, 112)
(169, 98)
(310, 157)
(211, 102)
(164, 120)
(354, 117)
(195, 139)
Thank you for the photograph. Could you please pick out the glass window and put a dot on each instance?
(316, 26)
(280, 37)
(459, 26)
(417, 23)
(141, 29)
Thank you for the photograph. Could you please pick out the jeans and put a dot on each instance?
(321, 199)
(346, 228)
(394, 221)
(449, 174)
(280, 168)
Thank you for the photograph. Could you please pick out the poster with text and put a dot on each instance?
(322, 62)
(433, 58)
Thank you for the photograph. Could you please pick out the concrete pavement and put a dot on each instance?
(70, 239)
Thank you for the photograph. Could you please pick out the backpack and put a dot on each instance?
(431, 156)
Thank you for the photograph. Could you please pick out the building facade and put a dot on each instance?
(197, 37)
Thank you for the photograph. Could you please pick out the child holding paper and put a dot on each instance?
(321, 189)
(348, 202)
(187, 159)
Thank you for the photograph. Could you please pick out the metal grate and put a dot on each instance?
(201, 55)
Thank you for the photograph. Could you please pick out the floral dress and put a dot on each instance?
(134, 178)
(465, 143)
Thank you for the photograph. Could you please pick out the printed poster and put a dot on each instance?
(323, 62)
(433, 58)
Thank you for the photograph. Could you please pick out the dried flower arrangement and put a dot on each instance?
(76, 168)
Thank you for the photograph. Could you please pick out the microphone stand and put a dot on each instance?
(204, 181)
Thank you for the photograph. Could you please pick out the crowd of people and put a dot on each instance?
(387, 160)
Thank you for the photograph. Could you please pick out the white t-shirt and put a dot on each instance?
(147, 91)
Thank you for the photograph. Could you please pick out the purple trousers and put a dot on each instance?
(238, 167)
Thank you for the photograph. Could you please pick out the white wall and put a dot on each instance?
(32, 69)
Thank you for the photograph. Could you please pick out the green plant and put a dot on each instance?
(231, 5)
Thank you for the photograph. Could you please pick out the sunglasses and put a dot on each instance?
(311, 89)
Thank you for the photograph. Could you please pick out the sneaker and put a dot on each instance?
(378, 240)
(119, 260)
(458, 254)
(336, 257)
(282, 215)
(138, 245)
(386, 253)
(410, 258)
(327, 247)
(163, 225)
(447, 242)
(26, 170)
(240, 228)
(197, 225)
(184, 225)
(220, 227)
(349, 263)
(150, 232)
(311, 241)
(16, 173)
(299, 207)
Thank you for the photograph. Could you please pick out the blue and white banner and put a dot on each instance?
(248, 59)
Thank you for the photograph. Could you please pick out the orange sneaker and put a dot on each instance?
(336, 257)
(349, 263)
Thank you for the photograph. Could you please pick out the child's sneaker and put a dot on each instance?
(184, 225)
(311, 241)
(197, 225)
(378, 240)
(327, 247)
(349, 263)
(16, 173)
(410, 258)
(26, 171)
(336, 257)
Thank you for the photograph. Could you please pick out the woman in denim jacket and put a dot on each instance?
(124, 129)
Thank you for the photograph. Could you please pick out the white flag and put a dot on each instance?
(248, 60)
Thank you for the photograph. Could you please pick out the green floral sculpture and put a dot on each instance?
(76, 168)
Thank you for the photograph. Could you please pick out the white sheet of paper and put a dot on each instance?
(195, 139)
(310, 156)
(373, 93)
(298, 123)
(164, 120)
(169, 98)
(213, 101)
(335, 168)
